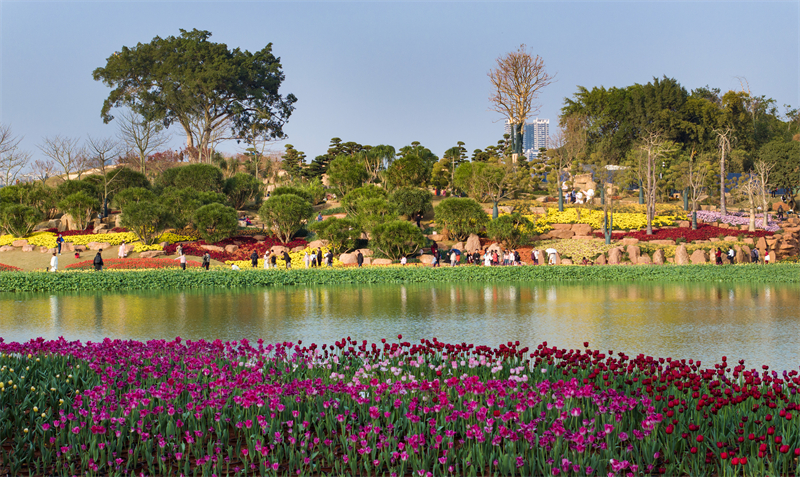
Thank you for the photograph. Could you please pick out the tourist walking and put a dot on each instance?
(453, 258)
(59, 243)
(98, 261)
(535, 256)
(718, 255)
(329, 259)
(306, 258)
(359, 259)
(54, 262)
(206, 261)
(182, 259)
(287, 259)
(179, 249)
(487, 259)
(319, 257)
(754, 255)
(766, 257)
(266, 259)
(403, 260)
(254, 259)
(273, 259)
(731, 255)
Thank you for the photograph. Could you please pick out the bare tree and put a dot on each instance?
(747, 189)
(516, 83)
(762, 169)
(205, 133)
(102, 153)
(141, 136)
(695, 180)
(12, 160)
(42, 170)
(653, 150)
(724, 136)
(66, 153)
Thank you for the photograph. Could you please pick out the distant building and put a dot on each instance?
(534, 136)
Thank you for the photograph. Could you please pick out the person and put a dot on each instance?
(254, 259)
(359, 259)
(123, 251)
(273, 259)
(434, 248)
(585, 261)
(590, 196)
(182, 258)
(206, 260)
(766, 257)
(517, 258)
(487, 259)
(179, 249)
(235, 267)
(319, 217)
(453, 258)
(495, 259)
(476, 257)
(54, 263)
(313, 259)
(247, 221)
(59, 243)
(731, 255)
(779, 215)
(319, 257)
(434, 260)
(329, 258)
(77, 255)
(287, 259)
(754, 255)
(418, 220)
(535, 256)
(579, 197)
(266, 259)
(98, 261)
(306, 258)
(552, 260)
(403, 260)
(718, 255)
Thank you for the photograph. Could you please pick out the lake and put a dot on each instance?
(758, 323)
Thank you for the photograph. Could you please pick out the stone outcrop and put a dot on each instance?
(279, 249)
(153, 254)
(658, 257)
(426, 259)
(614, 256)
(6, 248)
(629, 241)
(19, 243)
(560, 234)
(27, 248)
(381, 261)
(643, 260)
(582, 229)
(317, 244)
(681, 255)
(212, 248)
(98, 245)
(566, 261)
(299, 248)
(633, 253)
(232, 248)
(473, 243)
(698, 257)
(600, 260)
(348, 258)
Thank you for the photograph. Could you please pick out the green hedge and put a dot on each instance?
(176, 279)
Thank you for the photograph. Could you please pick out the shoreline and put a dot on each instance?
(123, 280)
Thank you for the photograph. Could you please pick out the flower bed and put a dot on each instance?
(622, 220)
(133, 264)
(296, 260)
(203, 408)
(703, 232)
(246, 246)
(576, 250)
(736, 219)
(9, 268)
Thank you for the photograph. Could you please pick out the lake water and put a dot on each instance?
(758, 323)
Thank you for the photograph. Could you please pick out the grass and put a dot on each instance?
(37, 261)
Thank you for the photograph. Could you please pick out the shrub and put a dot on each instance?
(315, 190)
(407, 171)
(291, 190)
(510, 230)
(347, 173)
(33, 194)
(373, 212)
(147, 220)
(133, 195)
(460, 217)
(397, 238)
(341, 234)
(68, 188)
(285, 214)
(216, 222)
(200, 177)
(411, 200)
(369, 191)
(80, 205)
(182, 203)
(242, 188)
(18, 220)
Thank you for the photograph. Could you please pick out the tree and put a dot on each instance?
(215, 222)
(695, 181)
(653, 150)
(376, 160)
(291, 190)
(762, 170)
(81, 206)
(516, 83)
(18, 220)
(460, 217)
(785, 158)
(424, 154)
(511, 230)
(42, 170)
(293, 162)
(147, 219)
(486, 181)
(341, 234)
(133, 195)
(182, 203)
(12, 160)
(347, 173)
(724, 142)
(369, 191)
(407, 171)
(285, 215)
(201, 177)
(241, 188)
(747, 188)
(373, 212)
(203, 86)
(397, 238)
(141, 136)
(65, 152)
(411, 200)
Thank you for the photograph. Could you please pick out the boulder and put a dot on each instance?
(473, 243)
(629, 241)
(459, 246)
(212, 248)
(27, 248)
(781, 205)
(317, 244)
(684, 224)
(741, 256)
(662, 242)
(495, 247)
(658, 257)
(100, 229)
(381, 261)
(233, 248)
(80, 248)
(557, 257)
(601, 260)
(98, 245)
(633, 253)
(118, 220)
(6, 248)
(165, 245)
(299, 248)
(368, 261)
(561, 234)
(713, 240)
(566, 261)
(19, 243)
(614, 256)
(43, 249)
(68, 223)
(730, 238)
(259, 238)
(426, 259)
(582, 229)
(748, 240)
(644, 260)
(561, 226)
(761, 245)
(279, 249)
(671, 260)
(68, 247)
(53, 223)
(681, 255)
(348, 258)
(366, 252)
(698, 257)
(153, 254)
(436, 237)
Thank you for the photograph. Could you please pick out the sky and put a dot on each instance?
(394, 73)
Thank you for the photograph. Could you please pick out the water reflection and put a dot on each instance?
(760, 324)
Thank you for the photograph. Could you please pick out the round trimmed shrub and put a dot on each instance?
(460, 217)
(216, 222)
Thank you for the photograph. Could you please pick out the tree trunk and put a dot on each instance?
(495, 212)
(752, 225)
(722, 208)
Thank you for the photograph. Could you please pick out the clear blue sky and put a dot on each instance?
(393, 73)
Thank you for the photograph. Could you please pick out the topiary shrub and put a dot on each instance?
(369, 191)
(242, 188)
(285, 214)
(411, 200)
(80, 206)
(460, 217)
(19, 220)
(215, 222)
(291, 190)
(147, 219)
(511, 230)
(397, 238)
(133, 195)
(341, 234)
(200, 177)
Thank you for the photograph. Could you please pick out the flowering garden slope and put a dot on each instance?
(118, 280)
(133, 264)
(8, 268)
(395, 409)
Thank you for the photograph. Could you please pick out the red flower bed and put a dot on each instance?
(67, 233)
(9, 268)
(133, 264)
(703, 232)
(246, 247)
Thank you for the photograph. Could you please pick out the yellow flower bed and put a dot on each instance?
(6, 240)
(297, 260)
(140, 247)
(622, 220)
(112, 238)
(172, 237)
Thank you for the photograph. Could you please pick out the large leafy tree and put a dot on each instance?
(347, 173)
(204, 86)
(285, 215)
(460, 217)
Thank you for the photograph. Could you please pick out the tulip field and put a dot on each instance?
(391, 408)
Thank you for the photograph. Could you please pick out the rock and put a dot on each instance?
(118, 220)
(459, 246)
(153, 254)
(80, 248)
(698, 257)
(740, 255)
(19, 243)
(53, 223)
(381, 261)
(748, 240)
(68, 223)
(436, 237)
(644, 260)
(279, 249)
(731, 238)
(561, 226)
(101, 229)
(348, 258)
(671, 260)
(629, 241)
(724, 226)
(43, 249)
(566, 261)
(27, 248)
(259, 238)
(614, 256)
(601, 260)
(211, 248)
(713, 240)
(299, 248)
(684, 224)
(582, 229)
(366, 252)
(495, 247)
(633, 253)
(561, 234)
(233, 248)
(473, 243)
(761, 245)
(658, 257)
(317, 244)
(681, 255)
(98, 245)
(582, 237)
(368, 261)
(777, 205)
(165, 245)
(68, 247)
(662, 242)
(557, 257)
(426, 259)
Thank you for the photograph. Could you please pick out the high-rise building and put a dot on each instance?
(535, 136)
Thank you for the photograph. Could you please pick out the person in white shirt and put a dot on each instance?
(487, 259)
(235, 267)
(403, 260)
(306, 259)
(266, 259)
(579, 197)
(54, 263)
(123, 251)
